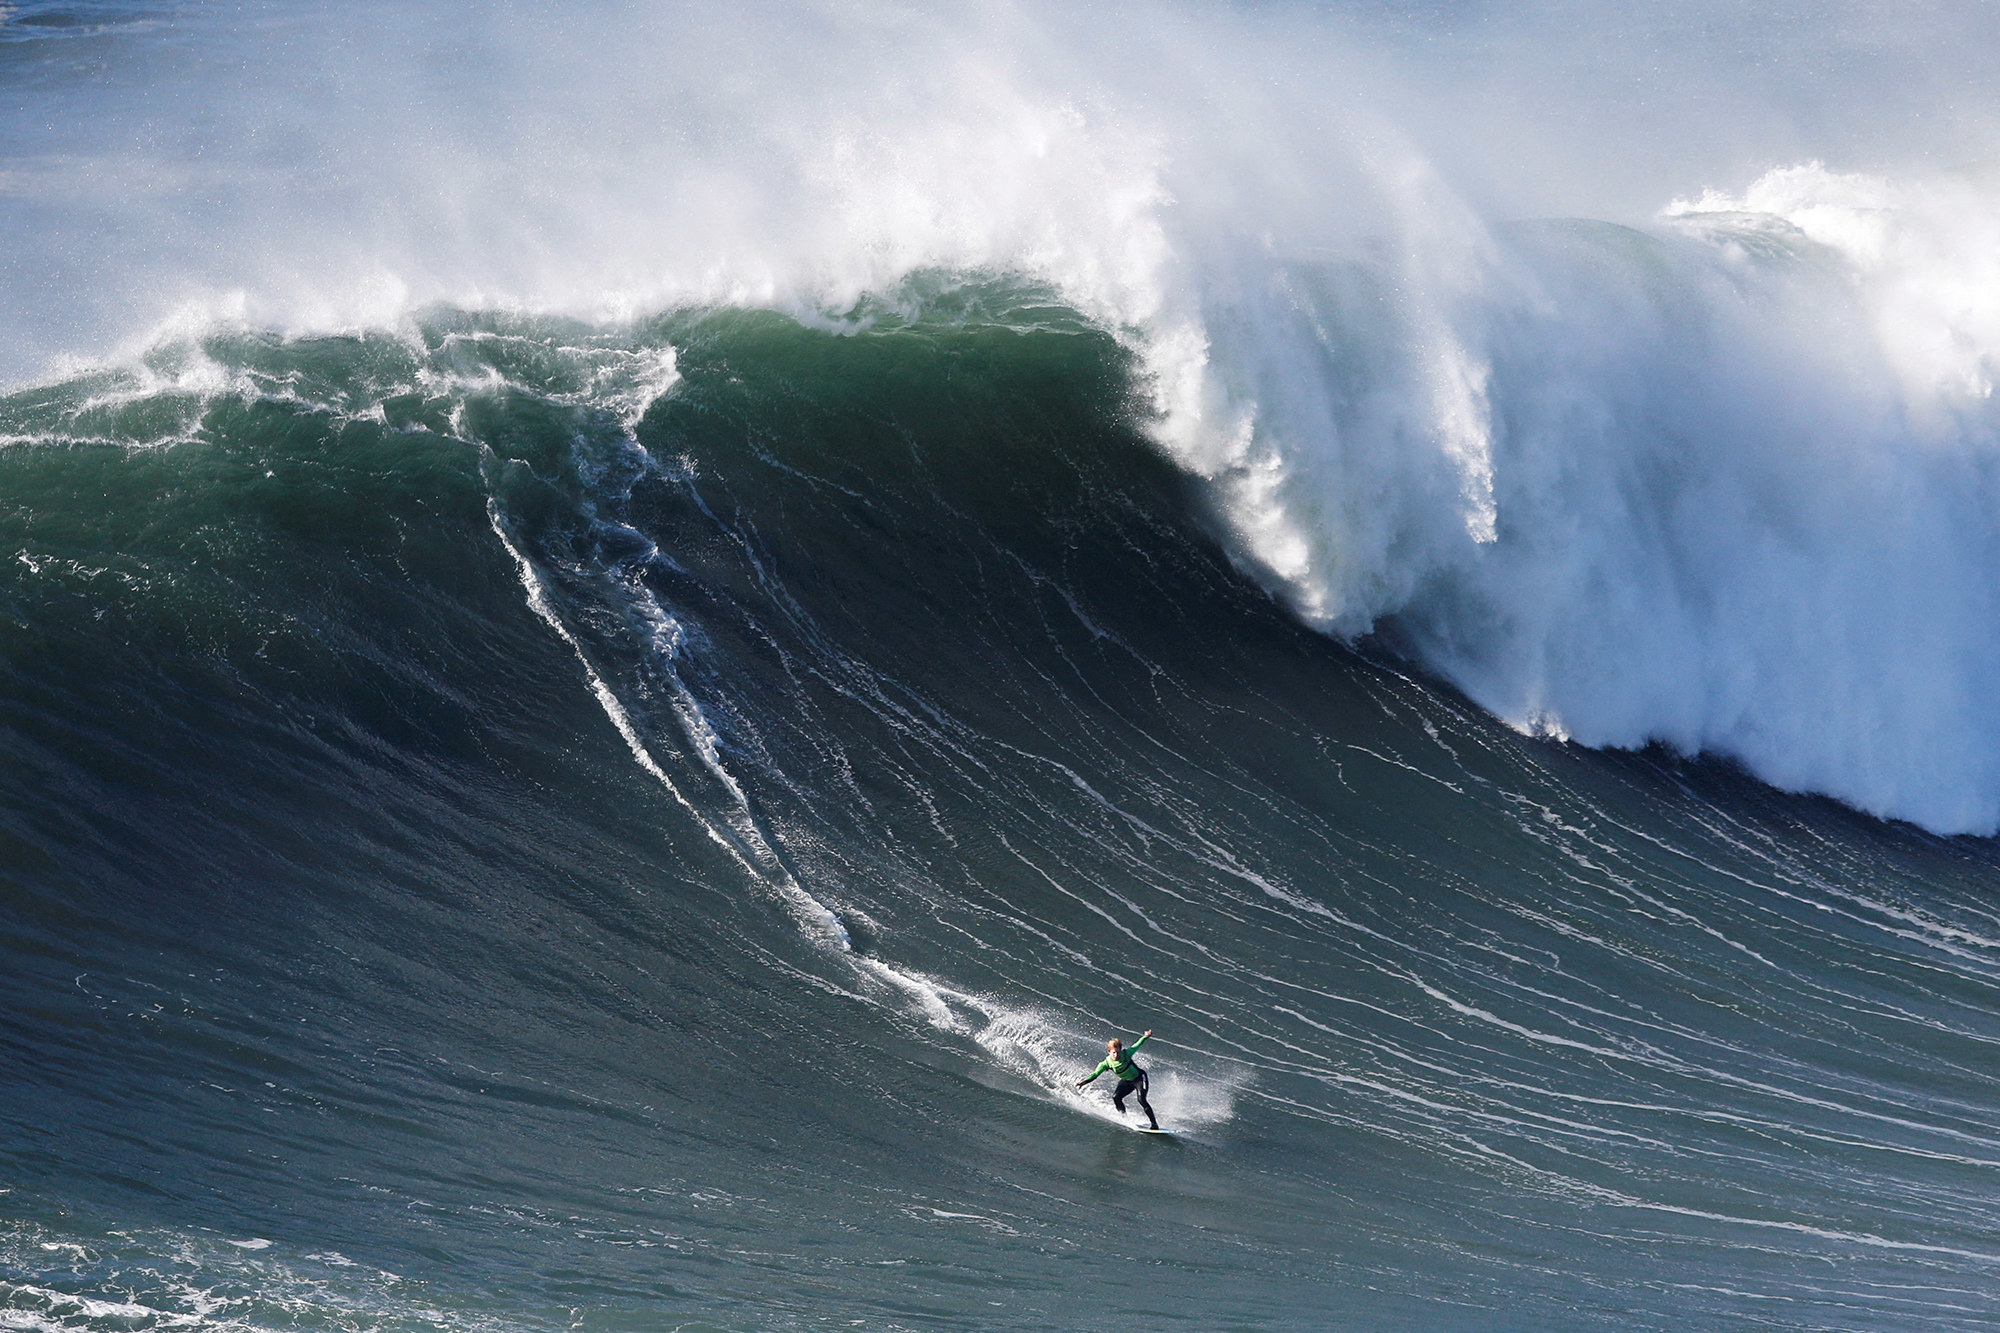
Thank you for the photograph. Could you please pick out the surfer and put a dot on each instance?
(1118, 1061)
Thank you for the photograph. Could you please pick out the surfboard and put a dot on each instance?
(1146, 1129)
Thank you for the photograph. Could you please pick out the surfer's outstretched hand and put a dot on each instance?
(1149, 1032)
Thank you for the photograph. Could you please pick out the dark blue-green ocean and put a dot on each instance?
(568, 769)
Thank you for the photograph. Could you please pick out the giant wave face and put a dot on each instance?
(626, 634)
(1711, 471)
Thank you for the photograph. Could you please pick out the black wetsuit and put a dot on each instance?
(1125, 1087)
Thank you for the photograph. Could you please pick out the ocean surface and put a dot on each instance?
(626, 636)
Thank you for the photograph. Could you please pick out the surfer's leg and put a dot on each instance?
(1145, 1105)
(1122, 1091)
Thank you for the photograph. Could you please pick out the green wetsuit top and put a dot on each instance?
(1122, 1066)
